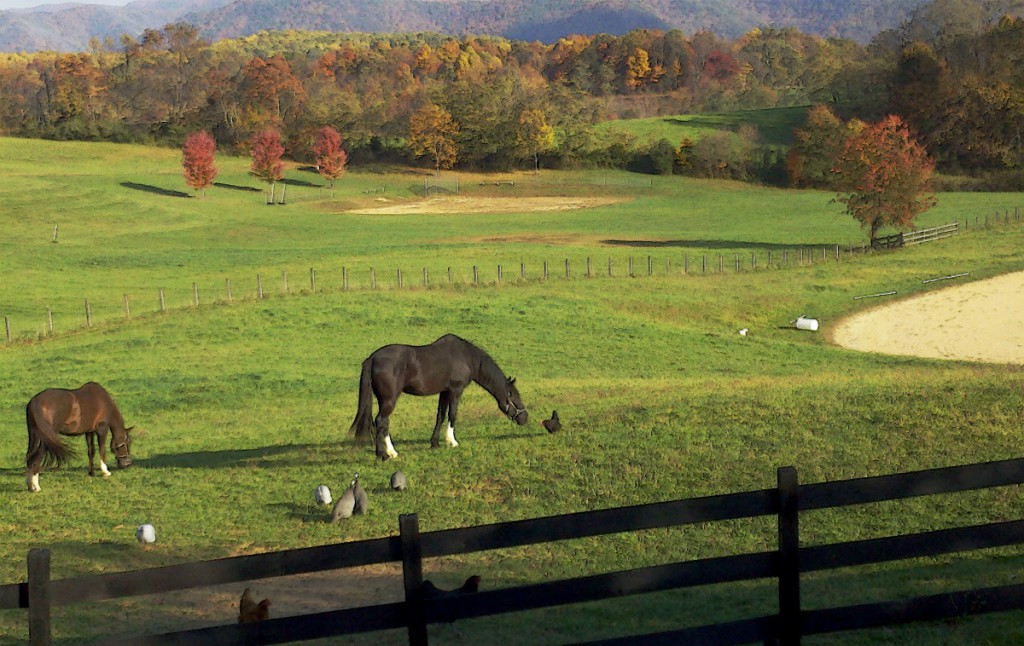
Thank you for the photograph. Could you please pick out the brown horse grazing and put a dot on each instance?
(444, 368)
(86, 410)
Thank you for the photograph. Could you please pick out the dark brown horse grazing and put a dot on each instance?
(444, 368)
(86, 410)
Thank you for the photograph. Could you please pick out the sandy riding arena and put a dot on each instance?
(467, 205)
(979, 321)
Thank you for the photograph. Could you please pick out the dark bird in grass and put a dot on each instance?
(250, 611)
(552, 424)
(472, 584)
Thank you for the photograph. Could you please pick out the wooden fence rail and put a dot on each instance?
(785, 564)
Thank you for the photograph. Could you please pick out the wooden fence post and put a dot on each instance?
(567, 268)
(545, 270)
(312, 280)
(588, 266)
(195, 294)
(49, 320)
(88, 314)
(426, 278)
(609, 268)
(789, 556)
(373, 279)
(344, 279)
(412, 577)
(449, 275)
(499, 273)
(650, 266)
(631, 266)
(284, 282)
(259, 287)
(39, 597)
(7, 325)
(476, 275)
(399, 279)
(162, 303)
(127, 308)
(227, 287)
(522, 271)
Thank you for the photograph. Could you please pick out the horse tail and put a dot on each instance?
(363, 426)
(43, 439)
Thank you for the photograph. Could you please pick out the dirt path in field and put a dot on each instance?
(978, 321)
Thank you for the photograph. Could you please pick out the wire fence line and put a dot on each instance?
(266, 286)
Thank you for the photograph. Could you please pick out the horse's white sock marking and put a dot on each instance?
(450, 436)
(33, 481)
(390, 448)
(103, 468)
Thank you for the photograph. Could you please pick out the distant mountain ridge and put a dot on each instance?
(71, 27)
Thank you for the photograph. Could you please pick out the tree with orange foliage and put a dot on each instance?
(432, 131)
(266, 159)
(883, 177)
(197, 154)
(330, 157)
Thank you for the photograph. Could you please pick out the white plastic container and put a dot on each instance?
(806, 324)
(323, 495)
(146, 534)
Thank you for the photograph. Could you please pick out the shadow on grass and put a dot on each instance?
(277, 456)
(154, 189)
(710, 244)
(300, 182)
(235, 187)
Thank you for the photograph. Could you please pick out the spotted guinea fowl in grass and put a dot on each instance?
(398, 481)
(552, 424)
(345, 506)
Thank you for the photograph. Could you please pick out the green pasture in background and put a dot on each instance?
(242, 406)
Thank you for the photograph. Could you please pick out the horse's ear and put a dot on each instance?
(511, 381)
(128, 429)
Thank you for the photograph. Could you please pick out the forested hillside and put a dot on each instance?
(947, 72)
(71, 27)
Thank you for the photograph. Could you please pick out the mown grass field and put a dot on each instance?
(243, 406)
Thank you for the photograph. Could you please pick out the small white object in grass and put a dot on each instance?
(803, 323)
(323, 495)
(146, 533)
(744, 331)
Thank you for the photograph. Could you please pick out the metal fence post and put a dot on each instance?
(412, 577)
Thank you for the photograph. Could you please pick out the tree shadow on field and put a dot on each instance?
(148, 188)
(300, 182)
(268, 457)
(235, 187)
(711, 244)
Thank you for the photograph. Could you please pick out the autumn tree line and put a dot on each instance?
(503, 104)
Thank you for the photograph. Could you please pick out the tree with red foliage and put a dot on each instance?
(883, 177)
(330, 158)
(197, 155)
(266, 159)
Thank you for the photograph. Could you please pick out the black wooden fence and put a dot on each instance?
(786, 563)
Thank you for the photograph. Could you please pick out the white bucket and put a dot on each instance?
(806, 324)
(146, 533)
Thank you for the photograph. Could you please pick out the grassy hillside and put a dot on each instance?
(243, 406)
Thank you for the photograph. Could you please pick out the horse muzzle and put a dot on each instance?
(124, 463)
(521, 418)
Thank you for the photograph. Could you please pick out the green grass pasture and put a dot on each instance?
(774, 125)
(243, 406)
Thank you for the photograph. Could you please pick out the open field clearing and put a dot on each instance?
(242, 406)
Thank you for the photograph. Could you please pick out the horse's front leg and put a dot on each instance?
(453, 410)
(385, 449)
(442, 412)
(101, 438)
(90, 443)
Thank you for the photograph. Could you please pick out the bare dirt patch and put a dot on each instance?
(978, 321)
(483, 205)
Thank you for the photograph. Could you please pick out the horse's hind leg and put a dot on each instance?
(453, 411)
(442, 412)
(33, 462)
(385, 449)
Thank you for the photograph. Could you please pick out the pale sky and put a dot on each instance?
(20, 4)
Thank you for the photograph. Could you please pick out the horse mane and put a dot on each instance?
(489, 375)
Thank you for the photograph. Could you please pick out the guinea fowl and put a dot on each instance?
(362, 505)
(398, 481)
(472, 584)
(552, 424)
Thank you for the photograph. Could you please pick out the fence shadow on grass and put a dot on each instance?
(149, 188)
(712, 244)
